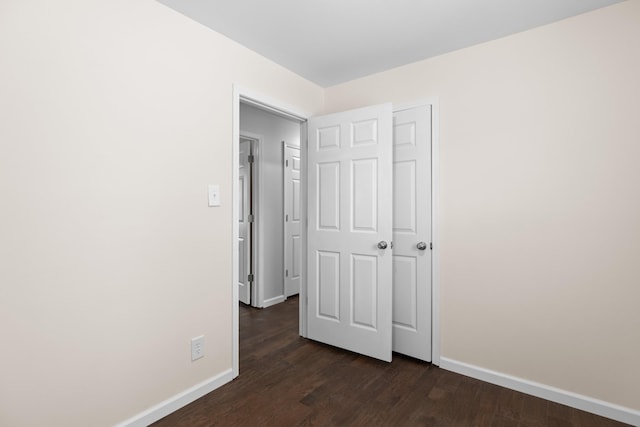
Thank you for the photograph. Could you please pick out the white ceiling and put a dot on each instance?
(333, 41)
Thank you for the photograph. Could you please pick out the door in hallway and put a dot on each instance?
(292, 222)
(245, 218)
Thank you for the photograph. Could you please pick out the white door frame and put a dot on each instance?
(275, 106)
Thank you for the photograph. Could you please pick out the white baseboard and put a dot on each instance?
(273, 301)
(564, 397)
(176, 402)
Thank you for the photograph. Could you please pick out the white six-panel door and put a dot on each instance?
(292, 221)
(412, 232)
(349, 257)
(244, 229)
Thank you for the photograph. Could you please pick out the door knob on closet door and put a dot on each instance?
(421, 246)
(382, 244)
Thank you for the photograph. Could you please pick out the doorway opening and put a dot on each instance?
(269, 207)
(244, 96)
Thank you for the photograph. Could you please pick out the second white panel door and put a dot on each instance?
(412, 232)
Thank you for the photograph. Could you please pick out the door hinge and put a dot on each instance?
(286, 163)
(251, 158)
(286, 218)
(250, 278)
(250, 218)
(431, 245)
(286, 273)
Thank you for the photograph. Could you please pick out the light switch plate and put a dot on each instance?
(197, 347)
(214, 195)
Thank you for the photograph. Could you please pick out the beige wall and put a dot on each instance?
(540, 199)
(114, 117)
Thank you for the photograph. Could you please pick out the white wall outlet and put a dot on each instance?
(197, 347)
(214, 195)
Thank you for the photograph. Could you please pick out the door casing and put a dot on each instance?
(275, 106)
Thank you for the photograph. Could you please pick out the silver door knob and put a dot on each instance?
(382, 244)
(421, 245)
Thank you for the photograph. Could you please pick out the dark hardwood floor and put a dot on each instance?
(286, 380)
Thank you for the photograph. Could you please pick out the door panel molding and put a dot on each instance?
(350, 193)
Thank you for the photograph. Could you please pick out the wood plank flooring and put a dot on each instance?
(286, 380)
